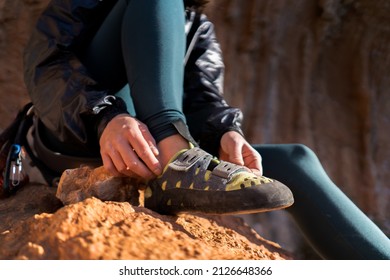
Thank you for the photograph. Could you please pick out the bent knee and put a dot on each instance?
(301, 151)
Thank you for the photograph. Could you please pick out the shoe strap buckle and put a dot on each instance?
(225, 170)
(189, 158)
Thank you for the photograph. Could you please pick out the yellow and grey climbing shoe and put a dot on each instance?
(196, 182)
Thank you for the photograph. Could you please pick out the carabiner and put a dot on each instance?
(14, 173)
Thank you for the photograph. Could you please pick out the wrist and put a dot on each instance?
(116, 107)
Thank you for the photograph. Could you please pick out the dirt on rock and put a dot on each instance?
(35, 225)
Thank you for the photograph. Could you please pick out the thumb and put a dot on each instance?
(257, 171)
(235, 155)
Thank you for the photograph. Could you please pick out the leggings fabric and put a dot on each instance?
(334, 226)
(142, 43)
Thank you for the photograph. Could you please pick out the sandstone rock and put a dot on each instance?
(77, 184)
(35, 225)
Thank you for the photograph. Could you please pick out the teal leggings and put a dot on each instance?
(334, 226)
(141, 43)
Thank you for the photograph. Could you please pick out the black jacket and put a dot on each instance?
(75, 108)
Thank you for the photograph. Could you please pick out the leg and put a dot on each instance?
(142, 43)
(145, 41)
(332, 223)
(154, 57)
(154, 64)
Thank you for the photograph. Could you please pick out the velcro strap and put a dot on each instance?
(186, 160)
(226, 169)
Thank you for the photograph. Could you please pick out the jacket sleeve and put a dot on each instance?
(66, 99)
(208, 114)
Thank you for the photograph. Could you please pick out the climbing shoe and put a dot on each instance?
(196, 182)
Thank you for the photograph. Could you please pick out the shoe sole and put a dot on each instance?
(254, 199)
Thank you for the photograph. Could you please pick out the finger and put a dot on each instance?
(257, 172)
(144, 146)
(114, 172)
(150, 140)
(149, 159)
(120, 165)
(253, 161)
(114, 162)
(108, 157)
(235, 156)
(133, 175)
(109, 166)
(132, 163)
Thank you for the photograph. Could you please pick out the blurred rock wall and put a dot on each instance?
(317, 73)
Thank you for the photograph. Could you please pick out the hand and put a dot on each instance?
(234, 148)
(128, 149)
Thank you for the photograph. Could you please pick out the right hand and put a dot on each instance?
(128, 149)
(236, 149)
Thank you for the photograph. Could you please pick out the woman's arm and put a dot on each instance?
(212, 122)
(208, 114)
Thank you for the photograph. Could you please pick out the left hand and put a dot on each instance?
(234, 148)
(128, 149)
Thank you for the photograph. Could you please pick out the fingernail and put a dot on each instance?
(257, 172)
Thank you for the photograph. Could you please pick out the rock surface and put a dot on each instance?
(35, 225)
(77, 184)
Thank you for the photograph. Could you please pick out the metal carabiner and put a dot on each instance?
(14, 173)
